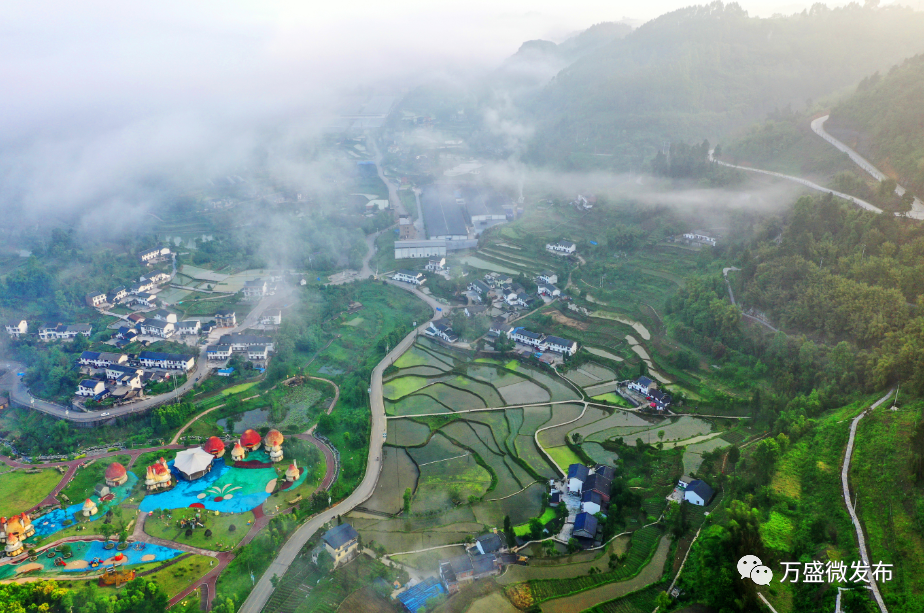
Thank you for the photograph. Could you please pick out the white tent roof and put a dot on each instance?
(191, 461)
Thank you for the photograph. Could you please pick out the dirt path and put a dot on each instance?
(585, 600)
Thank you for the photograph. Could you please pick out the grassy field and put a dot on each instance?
(85, 479)
(22, 491)
(177, 577)
(166, 526)
(563, 456)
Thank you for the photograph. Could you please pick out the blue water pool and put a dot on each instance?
(159, 553)
(54, 521)
(224, 488)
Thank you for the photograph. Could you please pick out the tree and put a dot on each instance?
(508, 532)
(535, 529)
(325, 562)
(734, 454)
(573, 545)
(407, 500)
(576, 438)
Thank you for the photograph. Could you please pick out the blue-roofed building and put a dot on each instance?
(225, 372)
(415, 598)
(577, 475)
(585, 527)
(698, 492)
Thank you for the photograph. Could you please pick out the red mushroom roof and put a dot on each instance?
(250, 438)
(158, 468)
(115, 471)
(273, 438)
(214, 445)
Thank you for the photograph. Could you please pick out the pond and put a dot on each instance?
(251, 419)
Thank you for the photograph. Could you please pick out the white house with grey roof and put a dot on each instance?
(561, 345)
(409, 276)
(16, 328)
(562, 247)
(158, 328)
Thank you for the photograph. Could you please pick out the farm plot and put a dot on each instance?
(583, 379)
(417, 356)
(455, 399)
(601, 372)
(617, 419)
(496, 423)
(464, 434)
(398, 473)
(599, 454)
(555, 437)
(486, 392)
(528, 451)
(496, 376)
(439, 448)
(535, 417)
(524, 392)
(520, 507)
(603, 354)
(563, 456)
(559, 390)
(400, 387)
(420, 371)
(693, 455)
(444, 484)
(418, 404)
(407, 433)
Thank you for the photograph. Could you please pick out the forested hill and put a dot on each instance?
(884, 120)
(704, 71)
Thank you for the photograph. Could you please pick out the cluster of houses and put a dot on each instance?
(591, 487)
(59, 331)
(124, 375)
(487, 557)
(138, 295)
(443, 330)
(657, 399)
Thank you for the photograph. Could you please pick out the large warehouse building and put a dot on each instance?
(443, 218)
(419, 249)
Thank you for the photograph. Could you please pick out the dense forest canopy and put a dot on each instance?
(706, 71)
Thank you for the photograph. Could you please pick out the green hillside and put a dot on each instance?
(884, 121)
(705, 72)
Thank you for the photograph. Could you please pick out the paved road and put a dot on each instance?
(845, 485)
(818, 126)
(19, 393)
(264, 587)
(863, 204)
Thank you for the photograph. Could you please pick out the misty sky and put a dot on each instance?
(99, 95)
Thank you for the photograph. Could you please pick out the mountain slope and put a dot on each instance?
(704, 71)
(884, 121)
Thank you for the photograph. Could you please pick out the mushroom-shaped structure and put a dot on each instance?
(272, 443)
(292, 472)
(13, 546)
(238, 453)
(116, 474)
(27, 528)
(119, 559)
(215, 446)
(2, 529)
(89, 508)
(250, 440)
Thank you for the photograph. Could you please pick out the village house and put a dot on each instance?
(96, 299)
(149, 256)
(90, 387)
(561, 345)
(562, 247)
(164, 315)
(547, 289)
(526, 337)
(591, 502)
(143, 299)
(700, 238)
(489, 543)
(342, 543)
(101, 360)
(255, 288)
(115, 372)
(167, 361)
(189, 326)
(585, 529)
(642, 385)
(599, 484)
(258, 353)
(136, 318)
(239, 341)
(436, 265)
(480, 287)
(118, 294)
(521, 300)
(271, 318)
(17, 328)
(499, 326)
(443, 331)
(471, 311)
(225, 319)
(156, 278)
(698, 492)
(142, 287)
(49, 332)
(577, 474)
(218, 352)
(409, 276)
(456, 572)
(158, 328)
(549, 277)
